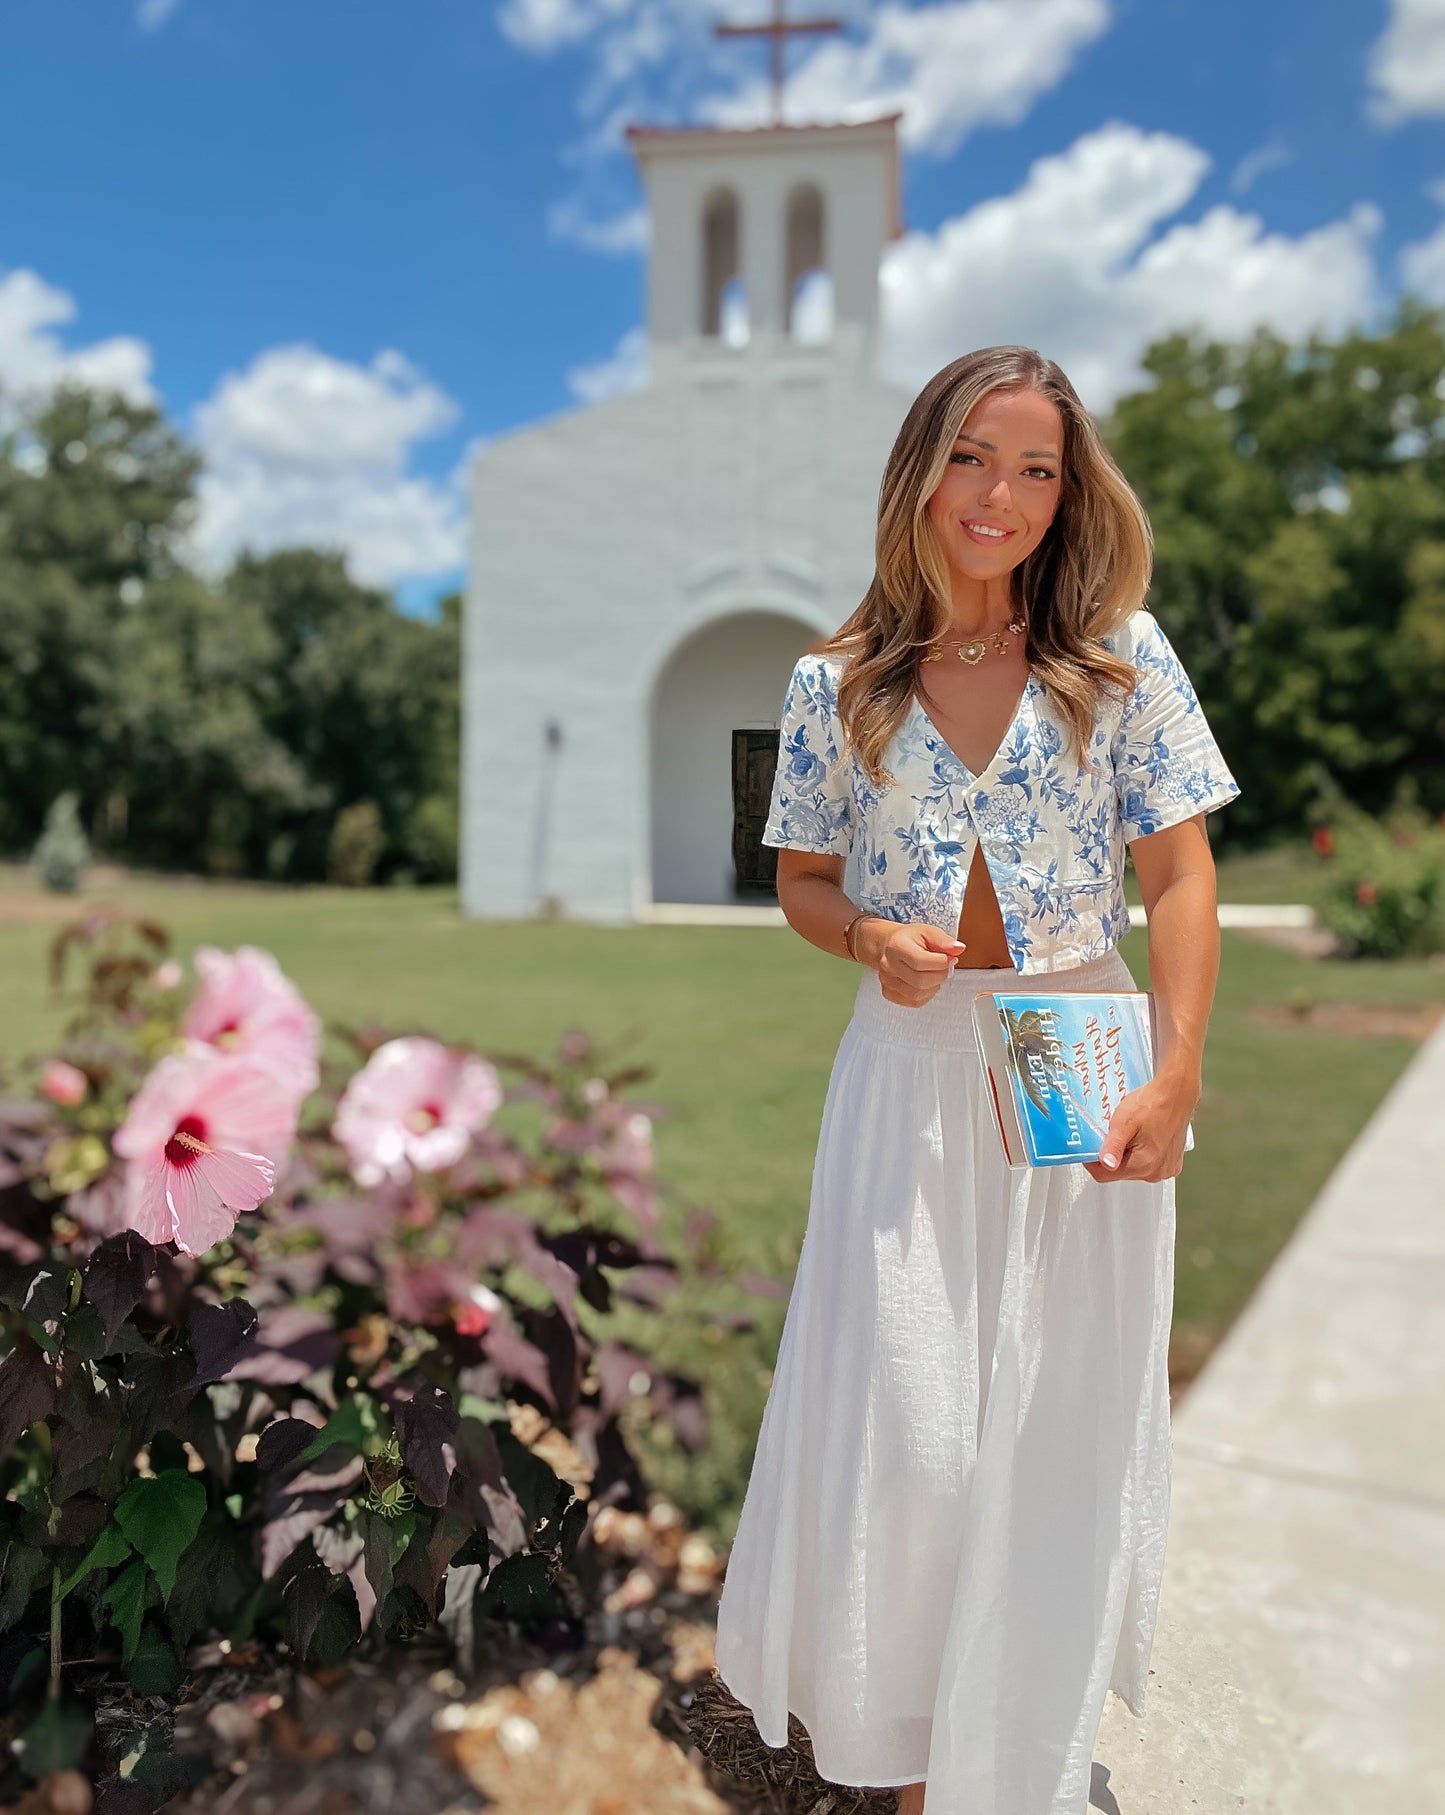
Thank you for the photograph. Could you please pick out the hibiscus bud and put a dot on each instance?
(62, 1083)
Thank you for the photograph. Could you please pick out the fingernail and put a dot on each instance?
(1107, 1159)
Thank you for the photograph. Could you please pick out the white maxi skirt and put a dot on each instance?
(952, 1538)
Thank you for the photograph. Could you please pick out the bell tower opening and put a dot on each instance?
(723, 290)
(809, 284)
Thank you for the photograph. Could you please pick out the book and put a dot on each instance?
(1058, 1065)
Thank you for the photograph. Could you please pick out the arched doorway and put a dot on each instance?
(728, 676)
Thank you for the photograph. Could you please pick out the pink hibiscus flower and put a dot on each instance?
(247, 1004)
(192, 1138)
(414, 1107)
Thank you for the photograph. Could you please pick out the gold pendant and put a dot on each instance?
(972, 652)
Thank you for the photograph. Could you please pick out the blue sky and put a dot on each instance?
(342, 244)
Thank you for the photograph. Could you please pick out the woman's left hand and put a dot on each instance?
(1146, 1133)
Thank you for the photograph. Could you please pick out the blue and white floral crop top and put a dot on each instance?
(1053, 841)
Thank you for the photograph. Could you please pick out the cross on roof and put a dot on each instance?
(778, 30)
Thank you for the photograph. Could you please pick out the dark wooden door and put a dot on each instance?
(755, 761)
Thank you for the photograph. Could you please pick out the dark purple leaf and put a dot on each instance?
(617, 1369)
(637, 1196)
(158, 1388)
(556, 1335)
(89, 1421)
(648, 1285)
(289, 1346)
(295, 1508)
(29, 1387)
(517, 1359)
(480, 1490)
(304, 1596)
(430, 1553)
(39, 1291)
(684, 1408)
(220, 1335)
(763, 1285)
(337, 1549)
(283, 1442)
(115, 1276)
(426, 1424)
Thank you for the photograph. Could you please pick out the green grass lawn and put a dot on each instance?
(740, 1025)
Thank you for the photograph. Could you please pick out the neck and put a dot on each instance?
(980, 607)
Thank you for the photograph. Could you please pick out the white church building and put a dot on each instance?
(644, 571)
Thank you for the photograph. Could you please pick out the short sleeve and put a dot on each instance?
(1167, 766)
(812, 808)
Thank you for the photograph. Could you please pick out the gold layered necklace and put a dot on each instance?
(975, 648)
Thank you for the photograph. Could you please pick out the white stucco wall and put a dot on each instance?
(742, 481)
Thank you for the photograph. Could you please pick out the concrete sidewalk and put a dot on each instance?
(1299, 1663)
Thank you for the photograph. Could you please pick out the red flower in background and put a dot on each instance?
(1323, 840)
(1366, 894)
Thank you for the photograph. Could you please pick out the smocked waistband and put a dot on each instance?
(947, 1022)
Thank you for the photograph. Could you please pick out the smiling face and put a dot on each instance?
(1002, 484)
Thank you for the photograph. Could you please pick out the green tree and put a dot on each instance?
(94, 491)
(1296, 497)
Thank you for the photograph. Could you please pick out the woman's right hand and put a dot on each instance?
(911, 957)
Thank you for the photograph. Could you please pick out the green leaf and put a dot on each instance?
(55, 1740)
(126, 1599)
(352, 1423)
(472, 1405)
(110, 1548)
(153, 1667)
(161, 1515)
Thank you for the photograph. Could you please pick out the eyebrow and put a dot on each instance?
(1029, 453)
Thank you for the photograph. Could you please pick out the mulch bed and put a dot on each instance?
(635, 1721)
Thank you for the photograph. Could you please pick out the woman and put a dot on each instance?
(951, 1542)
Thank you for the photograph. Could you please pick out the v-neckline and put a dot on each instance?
(972, 774)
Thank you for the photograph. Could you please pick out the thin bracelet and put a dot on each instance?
(862, 914)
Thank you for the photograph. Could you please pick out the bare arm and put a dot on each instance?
(1176, 878)
(911, 959)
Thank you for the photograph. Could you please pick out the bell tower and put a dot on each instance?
(767, 235)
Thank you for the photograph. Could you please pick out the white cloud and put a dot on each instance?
(1274, 153)
(305, 448)
(627, 232)
(626, 370)
(948, 68)
(542, 26)
(1067, 264)
(151, 15)
(1407, 63)
(34, 358)
(1422, 267)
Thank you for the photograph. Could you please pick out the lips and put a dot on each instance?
(982, 537)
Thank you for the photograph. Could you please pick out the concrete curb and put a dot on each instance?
(1299, 1662)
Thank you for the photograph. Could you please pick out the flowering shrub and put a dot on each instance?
(1386, 893)
(266, 1323)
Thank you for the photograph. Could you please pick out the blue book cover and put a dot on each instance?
(1059, 1065)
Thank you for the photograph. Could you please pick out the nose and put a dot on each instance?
(1000, 487)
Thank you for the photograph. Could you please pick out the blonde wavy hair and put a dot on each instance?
(1090, 571)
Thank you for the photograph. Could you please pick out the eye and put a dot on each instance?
(963, 456)
(1042, 471)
